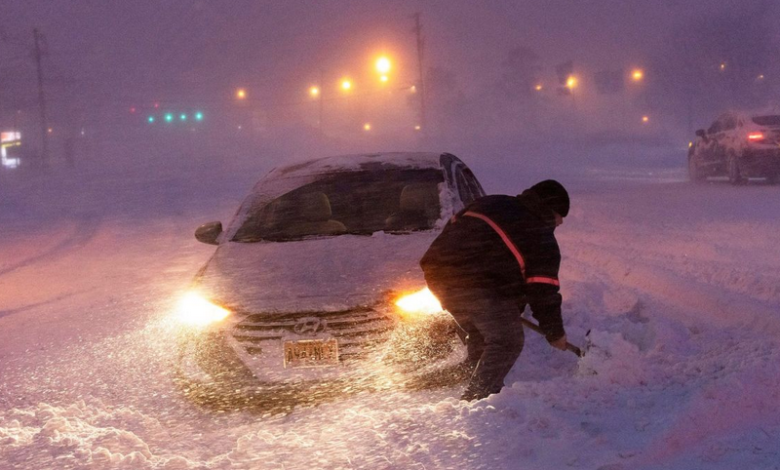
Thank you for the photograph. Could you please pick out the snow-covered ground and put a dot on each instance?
(679, 285)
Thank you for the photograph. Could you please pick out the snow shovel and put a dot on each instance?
(569, 347)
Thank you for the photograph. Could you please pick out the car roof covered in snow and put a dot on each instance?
(358, 162)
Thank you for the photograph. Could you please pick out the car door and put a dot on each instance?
(707, 148)
(724, 141)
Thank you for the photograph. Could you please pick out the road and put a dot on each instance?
(678, 283)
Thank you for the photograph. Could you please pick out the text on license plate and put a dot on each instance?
(311, 353)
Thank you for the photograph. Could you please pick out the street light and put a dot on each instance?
(346, 84)
(241, 93)
(571, 82)
(637, 75)
(645, 119)
(367, 126)
(383, 78)
(538, 87)
(314, 91)
(383, 65)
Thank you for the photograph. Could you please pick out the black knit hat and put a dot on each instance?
(553, 195)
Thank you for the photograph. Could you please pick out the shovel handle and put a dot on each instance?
(535, 327)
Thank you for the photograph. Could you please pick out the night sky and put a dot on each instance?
(105, 57)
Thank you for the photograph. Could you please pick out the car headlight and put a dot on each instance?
(194, 310)
(421, 302)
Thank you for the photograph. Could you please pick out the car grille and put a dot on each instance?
(358, 330)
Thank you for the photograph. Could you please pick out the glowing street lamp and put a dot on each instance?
(637, 75)
(383, 78)
(538, 87)
(645, 119)
(571, 82)
(314, 91)
(383, 65)
(367, 126)
(346, 85)
(241, 94)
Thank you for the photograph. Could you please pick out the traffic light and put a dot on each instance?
(172, 117)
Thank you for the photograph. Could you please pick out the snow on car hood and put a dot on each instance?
(325, 274)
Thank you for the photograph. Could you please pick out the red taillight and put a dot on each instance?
(755, 136)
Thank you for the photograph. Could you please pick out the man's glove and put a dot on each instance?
(559, 343)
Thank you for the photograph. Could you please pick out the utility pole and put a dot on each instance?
(41, 98)
(420, 48)
(321, 105)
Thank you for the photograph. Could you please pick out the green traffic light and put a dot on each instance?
(199, 116)
(169, 117)
(150, 119)
(183, 117)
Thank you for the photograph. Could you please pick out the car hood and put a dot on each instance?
(319, 274)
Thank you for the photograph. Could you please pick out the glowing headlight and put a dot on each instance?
(197, 311)
(420, 302)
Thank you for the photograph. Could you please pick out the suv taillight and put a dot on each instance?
(755, 137)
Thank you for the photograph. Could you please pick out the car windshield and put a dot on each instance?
(358, 202)
(767, 120)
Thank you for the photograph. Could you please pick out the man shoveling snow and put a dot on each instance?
(492, 258)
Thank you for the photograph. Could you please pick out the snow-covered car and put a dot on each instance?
(737, 145)
(315, 285)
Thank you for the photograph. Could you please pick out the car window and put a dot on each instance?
(463, 189)
(474, 185)
(729, 123)
(715, 127)
(468, 187)
(767, 120)
(358, 202)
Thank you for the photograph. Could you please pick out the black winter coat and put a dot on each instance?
(502, 246)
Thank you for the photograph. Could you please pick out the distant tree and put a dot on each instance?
(520, 73)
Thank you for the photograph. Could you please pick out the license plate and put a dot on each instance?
(311, 353)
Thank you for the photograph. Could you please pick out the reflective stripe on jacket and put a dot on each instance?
(505, 246)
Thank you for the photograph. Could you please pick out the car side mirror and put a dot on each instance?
(208, 233)
(701, 133)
